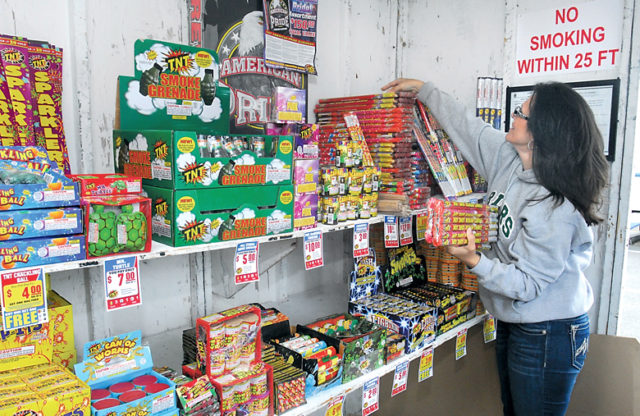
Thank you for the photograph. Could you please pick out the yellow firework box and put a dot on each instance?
(25, 347)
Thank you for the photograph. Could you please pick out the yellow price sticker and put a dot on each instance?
(23, 295)
(335, 406)
(461, 344)
(426, 365)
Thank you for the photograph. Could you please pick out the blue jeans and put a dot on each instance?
(538, 364)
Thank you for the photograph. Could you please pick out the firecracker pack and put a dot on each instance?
(105, 184)
(29, 179)
(118, 389)
(415, 322)
(31, 97)
(186, 160)
(454, 305)
(288, 381)
(362, 343)
(174, 86)
(229, 347)
(394, 347)
(305, 179)
(117, 224)
(348, 194)
(198, 397)
(26, 346)
(273, 323)
(448, 222)
(289, 105)
(43, 389)
(199, 216)
(33, 223)
(41, 251)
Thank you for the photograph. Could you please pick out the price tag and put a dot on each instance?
(122, 283)
(391, 232)
(360, 240)
(23, 298)
(246, 262)
(370, 393)
(313, 250)
(489, 329)
(421, 226)
(406, 234)
(426, 365)
(461, 344)
(400, 378)
(335, 406)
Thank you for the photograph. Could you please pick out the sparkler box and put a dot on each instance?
(174, 86)
(123, 359)
(191, 217)
(188, 160)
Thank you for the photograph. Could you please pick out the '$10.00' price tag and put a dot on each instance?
(246, 262)
(313, 250)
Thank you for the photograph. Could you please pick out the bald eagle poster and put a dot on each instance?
(235, 30)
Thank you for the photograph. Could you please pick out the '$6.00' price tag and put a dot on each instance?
(313, 250)
(246, 262)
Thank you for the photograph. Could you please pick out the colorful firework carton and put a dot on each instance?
(8, 135)
(186, 160)
(45, 71)
(61, 329)
(31, 223)
(26, 346)
(29, 179)
(190, 217)
(117, 224)
(289, 105)
(105, 184)
(47, 389)
(41, 251)
(132, 389)
(174, 86)
(14, 58)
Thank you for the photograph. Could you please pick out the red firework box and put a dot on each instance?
(448, 222)
(103, 184)
(229, 350)
(117, 224)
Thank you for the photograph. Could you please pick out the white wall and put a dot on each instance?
(361, 46)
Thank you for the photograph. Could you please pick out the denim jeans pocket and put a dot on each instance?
(534, 329)
(579, 344)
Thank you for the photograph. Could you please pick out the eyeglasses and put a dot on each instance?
(518, 113)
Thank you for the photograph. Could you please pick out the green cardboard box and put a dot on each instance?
(200, 216)
(185, 160)
(174, 86)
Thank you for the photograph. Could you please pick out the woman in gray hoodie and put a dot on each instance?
(546, 176)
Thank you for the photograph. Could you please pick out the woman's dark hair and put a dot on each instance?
(568, 151)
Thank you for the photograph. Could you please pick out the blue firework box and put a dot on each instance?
(415, 322)
(121, 359)
(33, 223)
(41, 251)
(28, 179)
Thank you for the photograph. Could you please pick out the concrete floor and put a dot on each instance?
(629, 315)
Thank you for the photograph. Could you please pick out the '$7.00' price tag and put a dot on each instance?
(313, 250)
(122, 283)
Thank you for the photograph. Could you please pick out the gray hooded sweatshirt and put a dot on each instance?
(535, 271)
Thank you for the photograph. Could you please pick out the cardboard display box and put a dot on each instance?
(41, 251)
(187, 160)
(34, 223)
(190, 217)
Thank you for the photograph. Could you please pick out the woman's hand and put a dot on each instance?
(403, 84)
(467, 254)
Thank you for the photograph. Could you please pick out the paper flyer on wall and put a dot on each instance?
(290, 34)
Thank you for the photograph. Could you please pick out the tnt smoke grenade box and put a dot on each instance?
(198, 216)
(174, 86)
(187, 160)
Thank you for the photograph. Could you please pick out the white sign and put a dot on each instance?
(360, 240)
(391, 232)
(569, 38)
(400, 378)
(313, 250)
(406, 230)
(122, 283)
(370, 396)
(246, 262)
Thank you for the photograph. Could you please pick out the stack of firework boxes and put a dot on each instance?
(205, 184)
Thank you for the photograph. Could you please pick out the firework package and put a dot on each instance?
(117, 224)
(31, 97)
(174, 87)
(118, 389)
(187, 160)
(229, 346)
(385, 121)
(448, 222)
(104, 184)
(288, 381)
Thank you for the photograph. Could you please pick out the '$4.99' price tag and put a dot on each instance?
(313, 250)
(23, 298)
(246, 262)
(360, 240)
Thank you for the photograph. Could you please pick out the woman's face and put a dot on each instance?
(519, 135)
